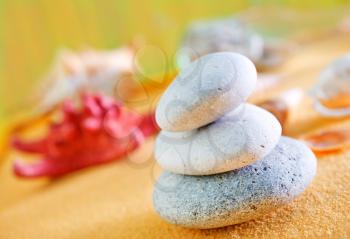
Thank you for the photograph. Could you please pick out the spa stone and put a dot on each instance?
(239, 138)
(239, 195)
(208, 88)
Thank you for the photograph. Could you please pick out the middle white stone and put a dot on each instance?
(237, 139)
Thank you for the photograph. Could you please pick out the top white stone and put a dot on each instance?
(207, 89)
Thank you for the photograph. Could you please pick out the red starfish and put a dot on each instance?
(102, 131)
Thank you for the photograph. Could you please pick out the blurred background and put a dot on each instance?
(33, 31)
(33, 34)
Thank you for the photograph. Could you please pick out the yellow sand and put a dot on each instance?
(114, 200)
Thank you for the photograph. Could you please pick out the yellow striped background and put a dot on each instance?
(31, 31)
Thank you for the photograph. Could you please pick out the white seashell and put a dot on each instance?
(232, 35)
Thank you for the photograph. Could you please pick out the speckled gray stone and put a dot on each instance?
(239, 195)
(206, 90)
(237, 139)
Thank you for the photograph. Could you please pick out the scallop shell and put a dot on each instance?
(332, 91)
(328, 141)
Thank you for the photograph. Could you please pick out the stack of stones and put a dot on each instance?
(225, 160)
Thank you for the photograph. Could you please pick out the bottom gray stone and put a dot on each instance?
(239, 195)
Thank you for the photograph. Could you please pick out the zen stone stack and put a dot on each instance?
(225, 160)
